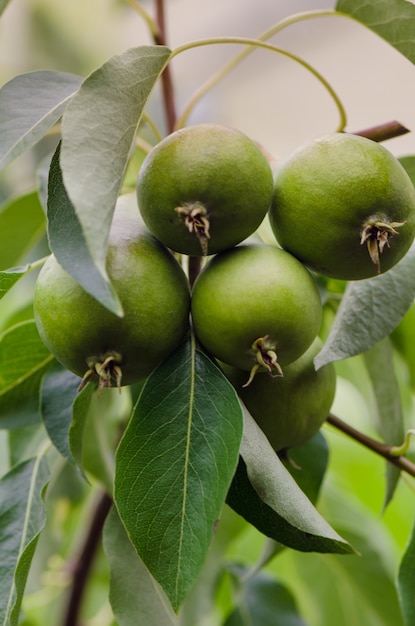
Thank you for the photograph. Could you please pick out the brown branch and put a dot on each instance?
(195, 264)
(382, 132)
(81, 567)
(166, 77)
(376, 446)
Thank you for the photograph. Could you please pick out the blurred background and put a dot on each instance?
(269, 96)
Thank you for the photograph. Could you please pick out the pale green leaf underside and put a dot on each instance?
(30, 104)
(175, 464)
(98, 129)
(279, 491)
(22, 518)
(387, 401)
(393, 20)
(68, 244)
(369, 311)
(133, 591)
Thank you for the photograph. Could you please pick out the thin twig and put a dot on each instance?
(376, 446)
(382, 132)
(81, 567)
(195, 264)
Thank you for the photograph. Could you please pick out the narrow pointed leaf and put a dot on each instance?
(22, 519)
(369, 311)
(406, 582)
(30, 104)
(58, 392)
(393, 20)
(389, 415)
(133, 591)
(267, 496)
(68, 244)
(8, 278)
(23, 361)
(98, 129)
(174, 466)
(22, 224)
(80, 409)
(64, 411)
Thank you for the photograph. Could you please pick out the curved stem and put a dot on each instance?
(143, 145)
(218, 76)
(82, 566)
(152, 26)
(387, 452)
(231, 65)
(152, 126)
(257, 43)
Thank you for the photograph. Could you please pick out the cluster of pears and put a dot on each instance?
(342, 206)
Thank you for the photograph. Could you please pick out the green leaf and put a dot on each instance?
(267, 496)
(58, 391)
(78, 422)
(109, 410)
(22, 519)
(174, 466)
(80, 410)
(308, 463)
(393, 20)
(133, 591)
(22, 224)
(369, 310)
(8, 278)
(264, 601)
(406, 582)
(24, 443)
(23, 361)
(30, 104)
(389, 415)
(67, 241)
(98, 129)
